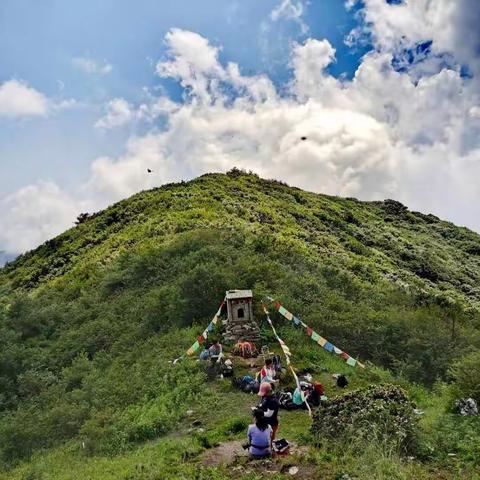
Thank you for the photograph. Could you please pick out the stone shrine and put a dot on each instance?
(240, 324)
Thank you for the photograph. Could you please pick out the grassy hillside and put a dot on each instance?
(90, 320)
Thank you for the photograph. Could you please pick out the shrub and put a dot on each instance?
(376, 413)
(466, 375)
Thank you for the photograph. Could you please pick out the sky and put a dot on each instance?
(92, 94)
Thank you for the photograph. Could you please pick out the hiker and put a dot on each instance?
(267, 373)
(270, 405)
(213, 352)
(315, 394)
(259, 435)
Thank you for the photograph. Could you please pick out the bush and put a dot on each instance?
(466, 375)
(377, 413)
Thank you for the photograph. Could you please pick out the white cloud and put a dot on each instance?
(452, 26)
(192, 61)
(287, 9)
(475, 111)
(17, 99)
(309, 62)
(90, 66)
(290, 10)
(118, 113)
(382, 134)
(35, 213)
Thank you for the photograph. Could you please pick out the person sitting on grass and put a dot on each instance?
(259, 435)
(213, 352)
(267, 373)
(270, 405)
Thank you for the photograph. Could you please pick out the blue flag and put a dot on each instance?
(328, 347)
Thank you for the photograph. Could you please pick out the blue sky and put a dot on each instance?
(93, 93)
(40, 40)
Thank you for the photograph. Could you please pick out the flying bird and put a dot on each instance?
(303, 138)
(149, 171)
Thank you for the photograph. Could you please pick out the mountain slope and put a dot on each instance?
(90, 319)
(388, 240)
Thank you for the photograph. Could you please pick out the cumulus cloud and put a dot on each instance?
(91, 66)
(118, 113)
(451, 26)
(35, 213)
(17, 99)
(385, 133)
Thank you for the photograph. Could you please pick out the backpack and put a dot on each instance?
(281, 447)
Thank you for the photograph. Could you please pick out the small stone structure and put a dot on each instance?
(240, 324)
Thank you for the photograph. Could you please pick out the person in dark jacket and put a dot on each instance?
(315, 394)
(270, 405)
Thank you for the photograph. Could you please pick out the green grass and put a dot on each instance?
(90, 320)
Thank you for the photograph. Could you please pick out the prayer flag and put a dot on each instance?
(315, 336)
(282, 310)
(322, 341)
(337, 350)
(328, 347)
(309, 331)
(296, 321)
(200, 339)
(351, 361)
(288, 315)
(210, 326)
(345, 356)
(190, 351)
(195, 346)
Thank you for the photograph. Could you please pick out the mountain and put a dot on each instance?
(90, 320)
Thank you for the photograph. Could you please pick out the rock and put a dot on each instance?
(189, 412)
(293, 470)
(196, 423)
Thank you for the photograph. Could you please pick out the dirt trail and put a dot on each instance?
(225, 454)
(232, 455)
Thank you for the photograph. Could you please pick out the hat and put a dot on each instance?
(265, 388)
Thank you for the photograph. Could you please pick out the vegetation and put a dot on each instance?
(90, 321)
(380, 413)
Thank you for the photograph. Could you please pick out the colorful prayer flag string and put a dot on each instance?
(201, 338)
(329, 347)
(287, 354)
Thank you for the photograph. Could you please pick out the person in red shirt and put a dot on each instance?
(267, 373)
